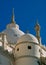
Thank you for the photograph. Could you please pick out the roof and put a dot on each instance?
(28, 37)
(13, 34)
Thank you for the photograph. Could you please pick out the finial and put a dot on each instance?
(37, 29)
(37, 26)
(13, 19)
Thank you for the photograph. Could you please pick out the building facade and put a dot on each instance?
(19, 48)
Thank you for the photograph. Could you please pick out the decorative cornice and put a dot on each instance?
(25, 42)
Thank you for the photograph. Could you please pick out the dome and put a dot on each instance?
(13, 34)
(12, 31)
(28, 37)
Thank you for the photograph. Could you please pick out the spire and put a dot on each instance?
(37, 29)
(13, 17)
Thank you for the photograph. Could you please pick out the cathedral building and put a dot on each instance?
(19, 48)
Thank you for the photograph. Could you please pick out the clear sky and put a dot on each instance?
(26, 14)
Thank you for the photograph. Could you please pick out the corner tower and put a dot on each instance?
(27, 50)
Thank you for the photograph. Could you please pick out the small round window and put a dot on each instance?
(29, 47)
(17, 49)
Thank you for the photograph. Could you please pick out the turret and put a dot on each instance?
(27, 50)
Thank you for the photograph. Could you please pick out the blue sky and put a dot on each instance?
(26, 14)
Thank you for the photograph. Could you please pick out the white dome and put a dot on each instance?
(28, 37)
(13, 34)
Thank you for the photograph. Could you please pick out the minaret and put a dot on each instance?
(37, 29)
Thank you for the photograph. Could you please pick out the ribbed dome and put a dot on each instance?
(28, 37)
(13, 34)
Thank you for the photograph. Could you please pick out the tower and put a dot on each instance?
(27, 50)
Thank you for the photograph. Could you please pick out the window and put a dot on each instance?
(29, 47)
(17, 49)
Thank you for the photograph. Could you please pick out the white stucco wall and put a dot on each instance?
(27, 56)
